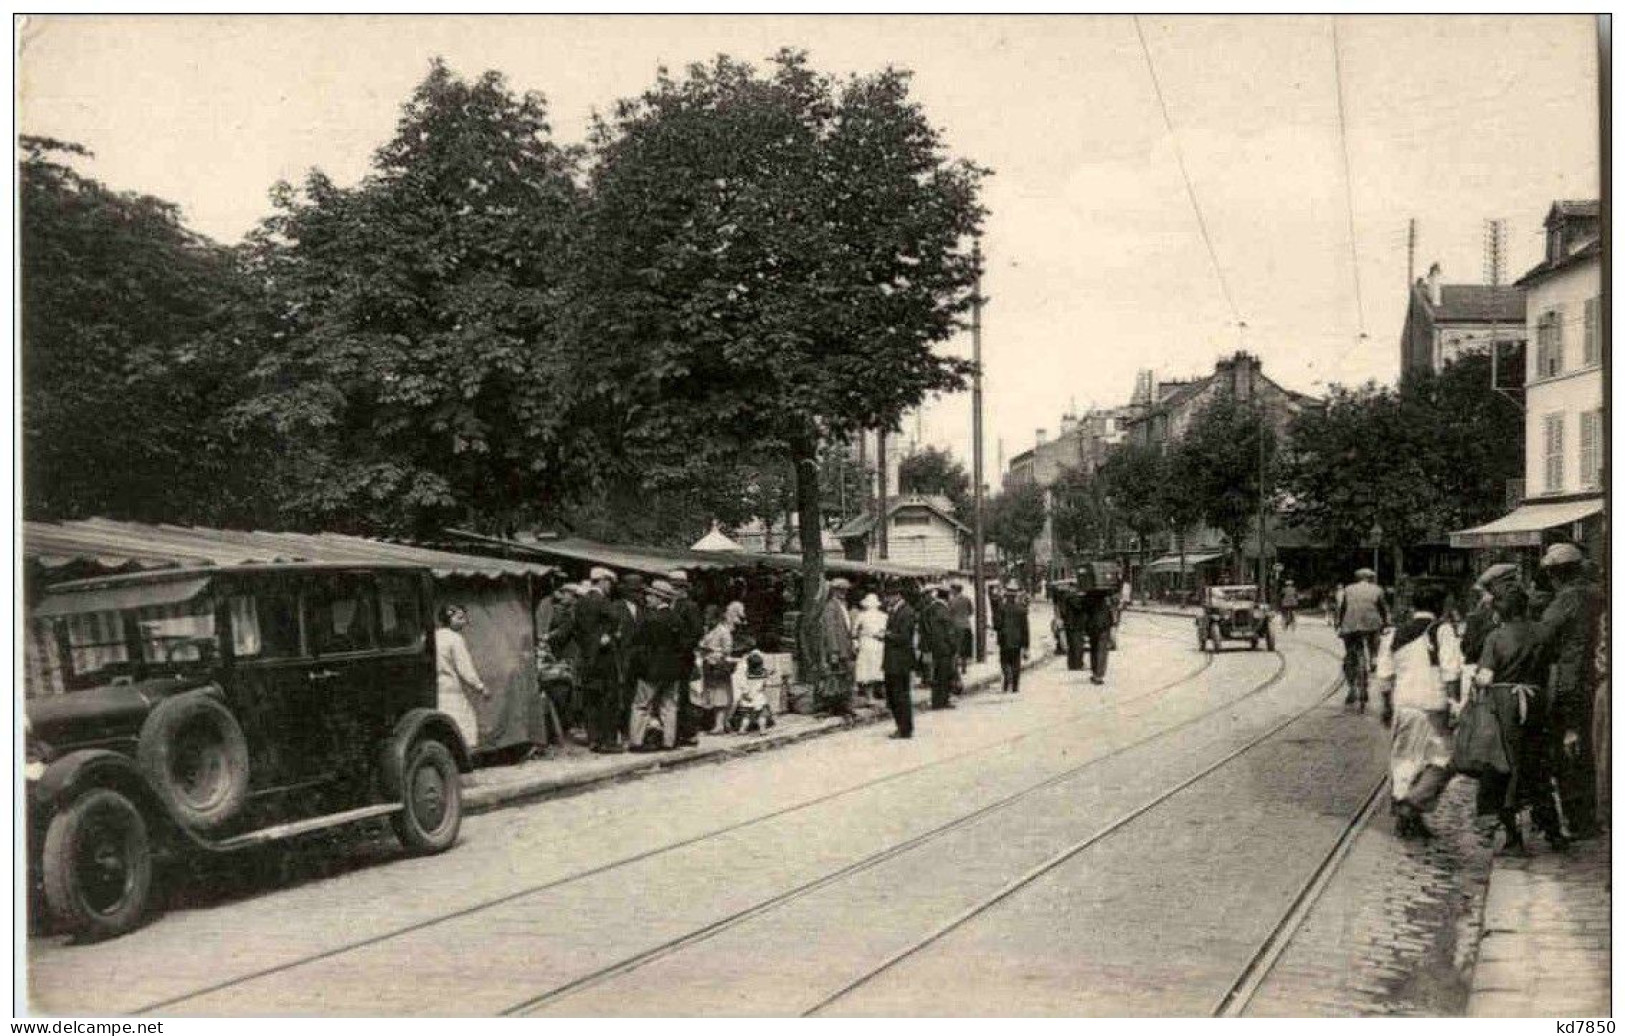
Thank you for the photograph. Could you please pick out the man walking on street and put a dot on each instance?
(898, 662)
(1362, 614)
(1013, 630)
(1568, 631)
(1074, 613)
(1097, 623)
(839, 651)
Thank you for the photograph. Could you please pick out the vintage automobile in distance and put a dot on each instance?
(202, 711)
(1233, 613)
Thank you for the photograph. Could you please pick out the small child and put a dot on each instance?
(751, 713)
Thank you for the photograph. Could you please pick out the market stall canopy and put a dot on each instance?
(1522, 528)
(96, 546)
(716, 540)
(1170, 562)
(659, 560)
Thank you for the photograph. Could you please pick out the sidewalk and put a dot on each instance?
(573, 769)
(1546, 946)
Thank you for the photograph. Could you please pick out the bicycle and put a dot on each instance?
(1357, 669)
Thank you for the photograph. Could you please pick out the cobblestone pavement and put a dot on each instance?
(546, 892)
(1547, 938)
(1396, 930)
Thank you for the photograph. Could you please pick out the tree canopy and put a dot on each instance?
(1015, 519)
(931, 471)
(1223, 463)
(412, 366)
(127, 361)
(1081, 517)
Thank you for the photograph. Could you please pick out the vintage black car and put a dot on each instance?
(1233, 613)
(210, 710)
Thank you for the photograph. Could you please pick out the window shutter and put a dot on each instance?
(1593, 337)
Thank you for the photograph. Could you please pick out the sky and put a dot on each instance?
(1097, 267)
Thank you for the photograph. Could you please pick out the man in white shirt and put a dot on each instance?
(1419, 672)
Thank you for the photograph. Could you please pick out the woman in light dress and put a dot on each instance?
(870, 631)
(455, 675)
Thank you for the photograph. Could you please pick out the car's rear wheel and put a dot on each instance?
(195, 757)
(431, 799)
(98, 865)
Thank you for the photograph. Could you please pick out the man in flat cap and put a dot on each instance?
(1362, 613)
(660, 659)
(1569, 629)
(839, 651)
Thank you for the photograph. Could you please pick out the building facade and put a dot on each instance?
(920, 530)
(1564, 426)
(1446, 321)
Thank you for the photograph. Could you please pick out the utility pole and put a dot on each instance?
(880, 512)
(1410, 259)
(980, 576)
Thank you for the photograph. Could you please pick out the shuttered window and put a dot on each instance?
(1593, 332)
(1554, 453)
(1549, 344)
(1591, 448)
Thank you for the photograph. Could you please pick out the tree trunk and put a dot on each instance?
(810, 632)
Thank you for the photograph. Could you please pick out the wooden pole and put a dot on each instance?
(979, 576)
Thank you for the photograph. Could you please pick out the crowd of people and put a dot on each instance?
(1524, 660)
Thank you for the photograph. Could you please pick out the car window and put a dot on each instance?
(400, 612)
(265, 624)
(182, 632)
(338, 615)
(96, 643)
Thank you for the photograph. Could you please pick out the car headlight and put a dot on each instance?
(33, 770)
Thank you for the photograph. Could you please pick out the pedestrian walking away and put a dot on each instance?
(455, 675)
(1289, 605)
(1097, 624)
(1012, 628)
(898, 661)
(1362, 614)
(1418, 671)
(937, 637)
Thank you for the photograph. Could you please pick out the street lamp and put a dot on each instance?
(1376, 548)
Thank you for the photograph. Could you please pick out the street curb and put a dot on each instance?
(542, 786)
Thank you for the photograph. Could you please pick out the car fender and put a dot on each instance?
(411, 726)
(76, 772)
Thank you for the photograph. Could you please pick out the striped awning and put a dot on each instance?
(1523, 527)
(1171, 562)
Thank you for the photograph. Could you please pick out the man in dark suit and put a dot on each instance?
(629, 607)
(685, 615)
(941, 639)
(660, 660)
(1011, 627)
(1097, 623)
(596, 632)
(897, 662)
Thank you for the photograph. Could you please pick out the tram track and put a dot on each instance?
(1114, 705)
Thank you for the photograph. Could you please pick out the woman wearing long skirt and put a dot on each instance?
(1419, 670)
(870, 631)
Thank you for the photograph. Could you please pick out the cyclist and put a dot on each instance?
(1362, 613)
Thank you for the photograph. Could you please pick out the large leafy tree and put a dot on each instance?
(1417, 461)
(935, 472)
(126, 366)
(1136, 484)
(1222, 464)
(772, 257)
(1015, 518)
(411, 373)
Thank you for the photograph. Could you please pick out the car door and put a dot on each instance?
(340, 702)
(270, 673)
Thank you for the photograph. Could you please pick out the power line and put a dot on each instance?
(1348, 177)
(1190, 191)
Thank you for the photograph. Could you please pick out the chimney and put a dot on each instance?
(1435, 289)
(1069, 424)
(1041, 437)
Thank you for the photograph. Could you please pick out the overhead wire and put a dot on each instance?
(1190, 190)
(1348, 179)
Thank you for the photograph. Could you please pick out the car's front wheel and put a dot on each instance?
(98, 865)
(431, 799)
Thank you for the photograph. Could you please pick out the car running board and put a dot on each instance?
(303, 827)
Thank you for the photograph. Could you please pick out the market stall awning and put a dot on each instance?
(1522, 528)
(97, 546)
(1170, 562)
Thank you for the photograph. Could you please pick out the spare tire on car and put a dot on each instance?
(195, 758)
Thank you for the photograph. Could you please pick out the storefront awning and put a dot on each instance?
(1522, 528)
(1170, 562)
